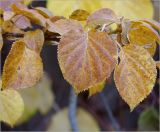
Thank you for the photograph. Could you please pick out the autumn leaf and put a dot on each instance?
(11, 106)
(63, 26)
(131, 9)
(144, 35)
(44, 12)
(102, 16)
(135, 75)
(21, 22)
(86, 59)
(153, 23)
(80, 15)
(97, 88)
(34, 40)
(33, 15)
(23, 67)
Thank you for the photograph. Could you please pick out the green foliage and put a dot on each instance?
(149, 120)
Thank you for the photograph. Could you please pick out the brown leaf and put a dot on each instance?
(102, 16)
(33, 15)
(21, 22)
(23, 67)
(86, 59)
(79, 15)
(135, 76)
(63, 26)
(44, 12)
(34, 40)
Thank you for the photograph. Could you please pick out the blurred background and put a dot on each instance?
(46, 105)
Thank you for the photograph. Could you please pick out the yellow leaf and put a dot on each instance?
(97, 88)
(34, 40)
(23, 67)
(80, 15)
(86, 59)
(11, 106)
(86, 121)
(143, 35)
(131, 9)
(136, 74)
(38, 98)
(154, 24)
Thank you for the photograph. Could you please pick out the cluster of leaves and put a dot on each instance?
(91, 47)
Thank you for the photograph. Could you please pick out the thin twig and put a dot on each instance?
(110, 114)
(72, 110)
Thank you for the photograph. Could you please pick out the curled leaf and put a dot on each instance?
(63, 26)
(143, 35)
(153, 23)
(125, 29)
(21, 22)
(23, 67)
(44, 12)
(11, 106)
(34, 40)
(86, 59)
(135, 76)
(80, 15)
